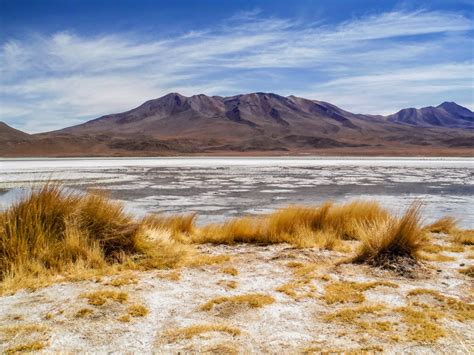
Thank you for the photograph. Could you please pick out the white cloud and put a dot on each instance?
(391, 91)
(49, 82)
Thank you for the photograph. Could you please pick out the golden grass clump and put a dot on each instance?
(465, 237)
(445, 225)
(468, 271)
(55, 231)
(22, 329)
(351, 292)
(320, 226)
(28, 347)
(180, 225)
(228, 283)
(351, 315)
(99, 298)
(174, 335)
(301, 286)
(253, 300)
(446, 306)
(421, 325)
(83, 312)
(230, 271)
(436, 257)
(123, 281)
(137, 310)
(384, 243)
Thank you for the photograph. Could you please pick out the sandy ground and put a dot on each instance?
(288, 325)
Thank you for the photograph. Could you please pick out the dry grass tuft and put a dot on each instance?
(175, 335)
(228, 283)
(253, 300)
(124, 318)
(445, 225)
(29, 347)
(54, 231)
(351, 315)
(365, 350)
(84, 312)
(321, 226)
(465, 237)
(181, 226)
(138, 310)
(230, 271)
(446, 306)
(202, 259)
(351, 292)
(468, 271)
(99, 298)
(123, 281)
(422, 326)
(300, 287)
(22, 329)
(383, 244)
(435, 257)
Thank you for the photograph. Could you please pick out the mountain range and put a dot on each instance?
(256, 123)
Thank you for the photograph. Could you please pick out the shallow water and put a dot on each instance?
(216, 188)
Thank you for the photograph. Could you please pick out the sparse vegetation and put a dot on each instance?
(253, 300)
(122, 281)
(465, 237)
(230, 271)
(351, 292)
(446, 306)
(174, 335)
(29, 347)
(99, 298)
(228, 283)
(435, 257)
(351, 315)
(445, 225)
(468, 271)
(18, 330)
(421, 325)
(138, 310)
(83, 312)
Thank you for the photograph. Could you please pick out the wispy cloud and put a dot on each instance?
(374, 64)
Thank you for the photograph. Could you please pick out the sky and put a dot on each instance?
(63, 62)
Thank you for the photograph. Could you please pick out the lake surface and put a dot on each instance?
(217, 188)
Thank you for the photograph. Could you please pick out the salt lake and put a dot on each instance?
(219, 187)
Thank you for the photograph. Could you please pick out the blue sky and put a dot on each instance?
(67, 61)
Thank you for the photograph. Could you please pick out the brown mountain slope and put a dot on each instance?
(257, 123)
(10, 133)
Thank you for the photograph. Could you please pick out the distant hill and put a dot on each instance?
(448, 114)
(258, 123)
